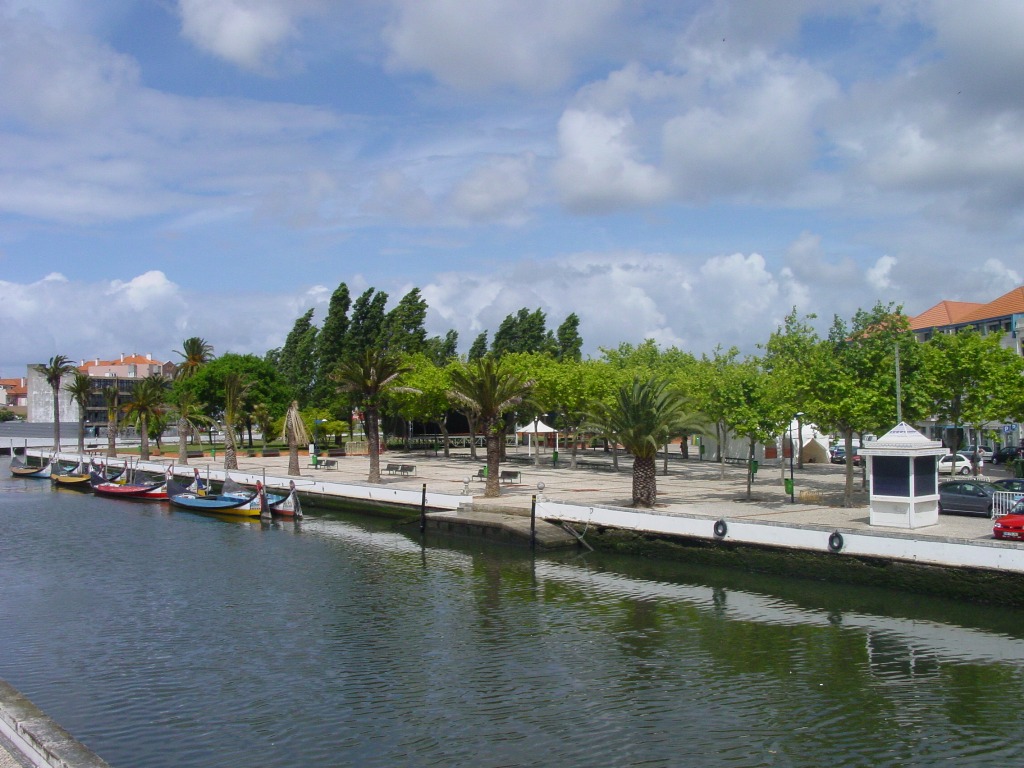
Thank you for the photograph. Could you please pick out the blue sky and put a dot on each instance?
(683, 171)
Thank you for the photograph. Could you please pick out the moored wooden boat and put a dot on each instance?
(20, 468)
(150, 490)
(289, 506)
(247, 504)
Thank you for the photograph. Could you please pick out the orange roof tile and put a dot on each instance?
(1011, 303)
(944, 313)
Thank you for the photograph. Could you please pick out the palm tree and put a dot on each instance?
(488, 389)
(236, 388)
(369, 376)
(294, 432)
(111, 398)
(642, 417)
(190, 413)
(148, 400)
(54, 371)
(80, 389)
(196, 353)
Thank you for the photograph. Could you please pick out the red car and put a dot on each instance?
(1011, 525)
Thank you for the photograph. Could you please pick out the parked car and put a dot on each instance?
(1012, 484)
(837, 455)
(955, 464)
(972, 497)
(1010, 526)
(985, 451)
(1005, 453)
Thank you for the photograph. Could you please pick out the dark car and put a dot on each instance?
(972, 497)
(1005, 453)
(1013, 484)
(837, 455)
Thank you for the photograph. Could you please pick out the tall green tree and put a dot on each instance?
(478, 348)
(295, 360)
(331, 343)
(403, 332)
(643, 414)
(369, 377)
(525, 331)
(80, 388)
(441, 351)
(489, 389)
(367, 325)
(148, 400)
(568, 339)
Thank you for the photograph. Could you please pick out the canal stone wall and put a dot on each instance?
(36, 738)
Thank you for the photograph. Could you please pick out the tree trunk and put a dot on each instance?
(645, 481)
(293, 457)
(472, 438)
(493, 489)
(572, 453)
(81, 433)
(56, 421)
(848, 489)
(446, 438)
(144, 445)
(182, 441)
(373, 440)
(750, 467)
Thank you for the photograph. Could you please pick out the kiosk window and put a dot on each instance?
(891, 475)
(924, 476)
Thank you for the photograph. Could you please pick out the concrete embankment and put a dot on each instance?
(29, 738)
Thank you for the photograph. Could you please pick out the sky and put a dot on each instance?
(688, 171)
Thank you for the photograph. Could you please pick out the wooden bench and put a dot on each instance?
(393, 469)
(335, 452)
(271, 452)
(328, 463)
(195, 454)
(408, 469)
(509, 476)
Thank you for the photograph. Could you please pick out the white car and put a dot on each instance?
(955, 464)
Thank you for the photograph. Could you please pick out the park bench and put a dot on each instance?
(195, 454)
(393, 469)
(335, 452)
(408, 469)
(328, 463)
(509, 476)
(481, 474)
(271, 452)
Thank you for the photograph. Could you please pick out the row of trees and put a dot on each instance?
(862, 377)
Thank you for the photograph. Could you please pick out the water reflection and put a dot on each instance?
(173, 639)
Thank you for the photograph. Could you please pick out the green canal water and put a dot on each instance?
(162, 638)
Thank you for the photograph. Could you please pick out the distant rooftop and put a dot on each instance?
(965, 312)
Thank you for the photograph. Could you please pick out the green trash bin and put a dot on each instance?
(753, 467)
(554, 458)
(313, 460)
(789, 487)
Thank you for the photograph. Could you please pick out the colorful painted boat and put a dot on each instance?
(249, 504)
(76, 477)
(149, 490)
(20, 468)
(289, 506)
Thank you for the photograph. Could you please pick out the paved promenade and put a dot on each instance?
(690, 487)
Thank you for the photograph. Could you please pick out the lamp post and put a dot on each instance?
(316, 435)
(792, 450)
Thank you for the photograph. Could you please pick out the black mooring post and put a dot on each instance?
(533, 521)
(423, 510)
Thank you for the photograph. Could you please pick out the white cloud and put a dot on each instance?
(599, 168)
(476, 45)
(878, 276)
(246, 33)
(496, 190)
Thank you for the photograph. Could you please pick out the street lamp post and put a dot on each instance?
(316, 435)
(792, 450)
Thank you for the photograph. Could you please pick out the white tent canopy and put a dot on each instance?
(535, 427)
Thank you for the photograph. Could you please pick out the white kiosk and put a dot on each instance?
(903, 475)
